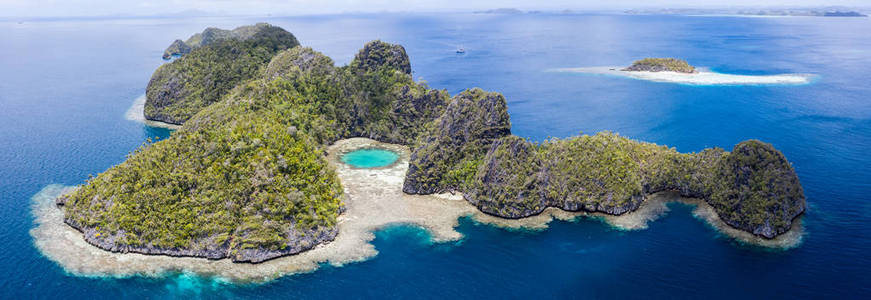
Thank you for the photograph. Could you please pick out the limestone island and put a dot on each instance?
(673, 70)
(661, 65)
(251, 186)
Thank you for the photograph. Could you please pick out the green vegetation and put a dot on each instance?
(661, 64)
(180, 89)
(211, 35)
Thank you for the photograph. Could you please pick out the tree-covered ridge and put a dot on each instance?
(660, 65)
(753, 188)
(180, 89)
(211, 35)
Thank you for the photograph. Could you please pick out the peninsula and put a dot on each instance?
(251, 175)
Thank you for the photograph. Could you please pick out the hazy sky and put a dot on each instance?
(25, 8)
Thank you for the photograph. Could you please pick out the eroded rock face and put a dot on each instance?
(519, 179)
(458, 140)
(377, 54)
(508, 183)
(757, 190)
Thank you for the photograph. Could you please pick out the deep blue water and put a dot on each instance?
(370, 158)
(65, 85)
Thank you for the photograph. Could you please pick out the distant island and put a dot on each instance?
(251, 174)
(844, 14)
(661, 65)
(833, 11)
(674, 70)
(502, 11)
(213, 35)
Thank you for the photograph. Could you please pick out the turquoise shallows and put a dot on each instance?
(370, 158)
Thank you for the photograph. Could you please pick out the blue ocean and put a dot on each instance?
(65, 85)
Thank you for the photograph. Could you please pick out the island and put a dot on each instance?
(252, 173)
(844, 14)
(785, 11)
(661, 65)
(674, 70)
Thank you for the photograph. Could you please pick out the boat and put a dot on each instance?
(461, 50)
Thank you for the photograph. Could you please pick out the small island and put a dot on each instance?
(253, 175)
(661, 65)
(674, 70)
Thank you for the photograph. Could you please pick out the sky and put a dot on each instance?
(61, 8)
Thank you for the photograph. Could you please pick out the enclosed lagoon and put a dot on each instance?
(367, 158)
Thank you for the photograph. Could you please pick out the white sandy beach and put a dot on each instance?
(374, 199)
(702, 77)
(137, 113)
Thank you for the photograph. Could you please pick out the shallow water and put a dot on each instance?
(370, 158)
(65, 86)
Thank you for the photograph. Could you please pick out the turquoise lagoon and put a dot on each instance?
(370, 158)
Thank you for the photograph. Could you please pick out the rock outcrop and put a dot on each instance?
(378, 54)
(450, 152)
(757, 190)
(176, 49)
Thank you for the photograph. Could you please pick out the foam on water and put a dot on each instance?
(136, 113)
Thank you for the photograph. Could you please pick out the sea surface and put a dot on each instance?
(65, 85)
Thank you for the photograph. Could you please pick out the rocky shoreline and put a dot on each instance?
(298, 243)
